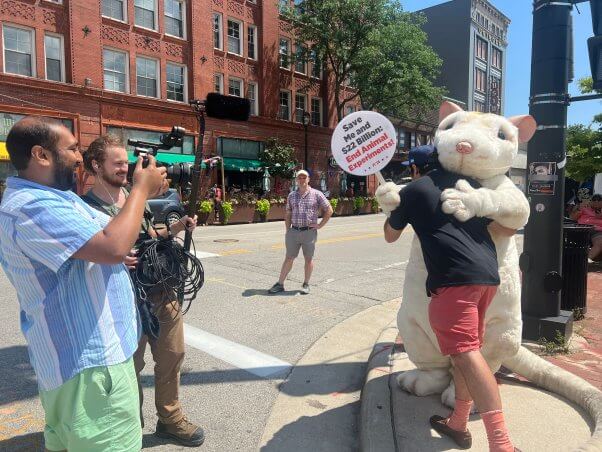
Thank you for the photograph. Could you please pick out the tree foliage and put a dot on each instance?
(584, 152)
(586, 85)
(279, 158)
(375, 46)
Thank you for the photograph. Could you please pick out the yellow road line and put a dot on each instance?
(338, 239)
(223, 281)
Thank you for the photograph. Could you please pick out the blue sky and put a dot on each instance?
(518, 58)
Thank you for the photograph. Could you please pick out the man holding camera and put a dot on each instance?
(107, 160)
(78, 311)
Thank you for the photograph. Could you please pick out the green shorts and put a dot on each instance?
(97, 410)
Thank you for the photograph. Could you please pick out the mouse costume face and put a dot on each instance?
(479, 145)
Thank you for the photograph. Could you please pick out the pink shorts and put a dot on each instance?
(457, 316)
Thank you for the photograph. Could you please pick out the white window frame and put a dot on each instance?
(297, 46)
(127, 70)
(32, 32)
(183, 3)
(288, 54)
(312, 66)
(296, 118)
(221, 30)
(255, 101)
(62, 55)
(157, 74)
(289, 104)
(124, 10)
(221, 81)
(156, 13)
(311, 106)
(255, 46)
(241, 35)
(184, 81)
(242, 86)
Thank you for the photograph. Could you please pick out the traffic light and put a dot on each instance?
(594, 44)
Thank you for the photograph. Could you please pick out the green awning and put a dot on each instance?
(231, 164)
(169, 158)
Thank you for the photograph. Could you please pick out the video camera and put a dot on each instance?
(178, 173)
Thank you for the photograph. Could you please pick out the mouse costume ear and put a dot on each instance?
(526, 126)
(447, 108)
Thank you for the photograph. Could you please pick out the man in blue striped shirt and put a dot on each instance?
(66, 261)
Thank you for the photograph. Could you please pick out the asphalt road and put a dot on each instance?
(241, 342)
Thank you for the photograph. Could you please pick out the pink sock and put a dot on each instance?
(497, 433)
(459, 418)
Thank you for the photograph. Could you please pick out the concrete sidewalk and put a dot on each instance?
(538, 420)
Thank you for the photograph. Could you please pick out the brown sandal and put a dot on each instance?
(462, 439)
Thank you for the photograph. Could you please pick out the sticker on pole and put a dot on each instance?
(363, 143)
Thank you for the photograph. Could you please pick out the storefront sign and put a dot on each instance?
(3, 152)
(363, 143)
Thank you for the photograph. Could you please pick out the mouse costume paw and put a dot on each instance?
(387, 196)
(463, 202)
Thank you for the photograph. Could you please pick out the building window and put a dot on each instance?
(480, 80)
(316, 65)
(115, 70)
(496, 58)
(300, 66)
(144, 13)
(479, 106)
(401, 140)
(234, 37)
(235, 87)
(176, 82)
(218, 83)
(349, 110)
(408, 139)
(174, 18)
(18, 51)
(300, 107)
(284, 112)
(147, 77)
(252, 96)
(252, 42)
(424, 139)
(481, 49)
(115, 9)
(316, 111)
(53, 50)
(187, 146)
(217, 31)
(283, 6)
(284, 52)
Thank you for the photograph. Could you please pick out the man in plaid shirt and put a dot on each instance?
(301, 221)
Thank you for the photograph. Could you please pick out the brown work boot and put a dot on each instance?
(462, 439)
(184, 432)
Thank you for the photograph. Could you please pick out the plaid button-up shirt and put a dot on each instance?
(305, 208)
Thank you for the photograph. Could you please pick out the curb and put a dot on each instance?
(376, 420)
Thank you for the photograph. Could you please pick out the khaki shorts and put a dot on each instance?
(295, 239)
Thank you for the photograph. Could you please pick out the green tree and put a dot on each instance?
(584, 143)
(279, 158)
(375, 46)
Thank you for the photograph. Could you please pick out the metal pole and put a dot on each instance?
(196, 169)
(221, 162)
(306, 160)
(541, 261)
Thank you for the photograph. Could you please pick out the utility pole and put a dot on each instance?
(541, 261)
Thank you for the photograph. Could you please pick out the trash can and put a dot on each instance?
(576, 240)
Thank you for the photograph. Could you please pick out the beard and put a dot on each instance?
(115, 180)
(64, 176)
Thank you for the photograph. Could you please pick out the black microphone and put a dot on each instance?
(227, 107)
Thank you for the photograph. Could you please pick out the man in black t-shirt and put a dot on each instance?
(461, 262)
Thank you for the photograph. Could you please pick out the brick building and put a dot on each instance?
(130, 67)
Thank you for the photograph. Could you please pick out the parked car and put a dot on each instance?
(167, 208)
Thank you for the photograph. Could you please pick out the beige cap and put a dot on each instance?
(301, 172)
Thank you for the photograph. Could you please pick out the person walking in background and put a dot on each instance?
(591, 214)
(78, 310)
(301, 223)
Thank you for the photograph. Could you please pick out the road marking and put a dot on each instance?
(238, 355)
(338, 240)
(223, 281)
(205, 255)
(235, 252)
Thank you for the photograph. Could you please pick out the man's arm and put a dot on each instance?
(287, 219)
(391, 235)
(497, 229)
(115, 241)
(325, 217)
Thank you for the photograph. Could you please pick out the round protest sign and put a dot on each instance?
(363, 143)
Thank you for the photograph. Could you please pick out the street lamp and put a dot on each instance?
(306, 121)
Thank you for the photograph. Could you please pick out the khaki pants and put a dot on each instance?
(168, 354)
